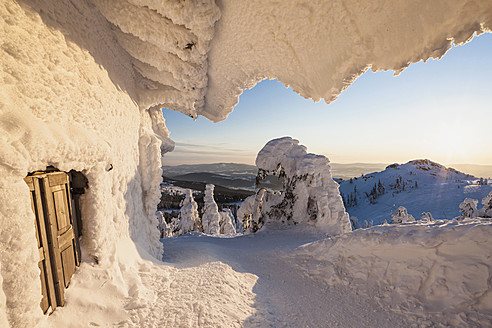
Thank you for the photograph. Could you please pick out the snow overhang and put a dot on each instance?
(198, 56)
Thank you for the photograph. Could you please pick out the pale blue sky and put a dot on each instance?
(441, 110)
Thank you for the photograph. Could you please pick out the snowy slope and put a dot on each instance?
(419, 185)
(409, 275)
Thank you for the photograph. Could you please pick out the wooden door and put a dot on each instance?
(60, 230)
(57, 242)
(44, 264)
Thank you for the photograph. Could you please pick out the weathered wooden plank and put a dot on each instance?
(65, 239)
(41, 253)
(57, 178)
(68, 262)
(41, 224)
(46, 278)
(75, 213)
(29, 183)
(45, 302)
(52, 233)
(61, 209)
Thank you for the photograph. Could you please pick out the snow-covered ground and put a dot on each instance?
(388, 276)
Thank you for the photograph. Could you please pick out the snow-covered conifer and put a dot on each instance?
(468, 208)
(310, 194)
(401, 216)
(211, 216)
(226, 225)
(245, 212)
(486, 210)
(355, 222)
(188, 214)
(426, 217)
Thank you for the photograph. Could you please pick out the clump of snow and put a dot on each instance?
(211, 217)
(310, 194)
(251, 214)
(169, 50)
(162, 226)
(401, 216)
(188, 215)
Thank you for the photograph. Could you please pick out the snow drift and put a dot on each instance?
(438, 271)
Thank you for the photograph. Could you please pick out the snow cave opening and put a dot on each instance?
(55, 201)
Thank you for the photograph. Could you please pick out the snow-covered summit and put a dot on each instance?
(419, 185)
(432, 168)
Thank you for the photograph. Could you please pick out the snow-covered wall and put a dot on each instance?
(68, 100)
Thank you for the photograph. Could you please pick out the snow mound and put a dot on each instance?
(440, 271)
(310, 194)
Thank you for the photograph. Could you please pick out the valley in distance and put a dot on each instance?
(425, 186)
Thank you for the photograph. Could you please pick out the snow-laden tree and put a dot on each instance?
(211, 216)
(426, 217)
(468, 209)
(189, 220)
(354, 221)
(226, 223)
(401, 216)
(162, 225)
(245, 212)
(251, 213)
(310, 195)
(486, 210)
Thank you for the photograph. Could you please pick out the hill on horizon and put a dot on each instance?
(419, 185)
(339, 170)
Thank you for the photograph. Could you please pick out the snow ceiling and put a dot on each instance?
(197, 56)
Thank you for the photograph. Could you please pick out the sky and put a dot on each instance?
(440, 110)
